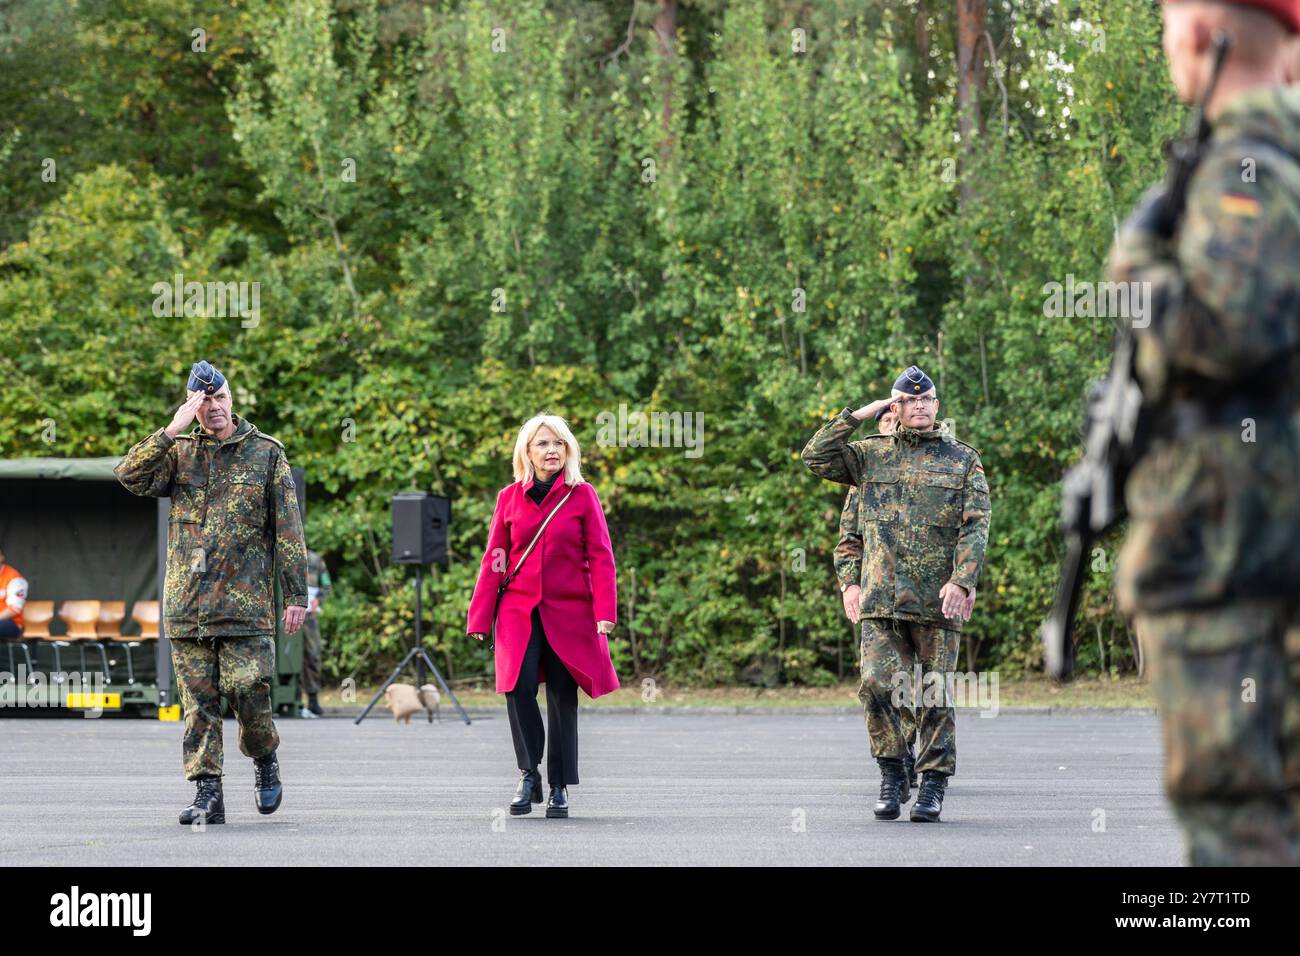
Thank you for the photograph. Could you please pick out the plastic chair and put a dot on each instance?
(82, 619)
(109, 629)
(145, 614)
(36, 619)
(36, 625)
(111, 616)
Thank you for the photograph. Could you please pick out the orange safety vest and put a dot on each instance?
(8, 575)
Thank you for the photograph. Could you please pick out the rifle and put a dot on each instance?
(1116, 423)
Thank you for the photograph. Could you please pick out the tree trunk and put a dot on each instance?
(970, 78)
(923, 35)
(665, 27)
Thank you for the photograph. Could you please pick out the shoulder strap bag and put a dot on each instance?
(505, 583)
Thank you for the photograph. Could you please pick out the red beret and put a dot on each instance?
(1288, 11)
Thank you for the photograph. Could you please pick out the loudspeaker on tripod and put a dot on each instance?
(420, 523)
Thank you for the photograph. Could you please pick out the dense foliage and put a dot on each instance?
(459, 214)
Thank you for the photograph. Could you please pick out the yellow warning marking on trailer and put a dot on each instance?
(90, 701)
(170, 713)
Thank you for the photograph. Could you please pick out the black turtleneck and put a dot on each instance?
(540, 488)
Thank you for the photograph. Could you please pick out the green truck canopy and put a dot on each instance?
(76, 469)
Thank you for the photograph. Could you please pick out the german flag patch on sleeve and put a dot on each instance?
(1239, 204)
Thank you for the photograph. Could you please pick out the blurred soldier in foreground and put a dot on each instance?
(924, 521)
(234, 517)
(1210, 566)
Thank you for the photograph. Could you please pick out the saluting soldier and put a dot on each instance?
(848, 572)
(1210, 566)
(318, 591)
(924, 520)
(234, 519)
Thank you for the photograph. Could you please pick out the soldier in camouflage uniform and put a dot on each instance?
(848, 572)
(318, 591)
(1210, 566)
(924, 519)
(234, 518)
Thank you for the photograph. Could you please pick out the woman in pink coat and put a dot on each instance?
(554, 618)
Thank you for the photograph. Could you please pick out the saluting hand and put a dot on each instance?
(184, 416)
(869, 411)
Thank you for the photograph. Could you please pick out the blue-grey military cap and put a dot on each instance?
(913, 382)
(204, 378)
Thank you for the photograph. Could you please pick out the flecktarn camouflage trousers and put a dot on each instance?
(240, 670)
(1227, 683)
(891, 651)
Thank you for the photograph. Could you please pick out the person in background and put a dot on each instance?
(13, 596)
(318, 591)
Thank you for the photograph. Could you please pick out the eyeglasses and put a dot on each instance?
(921, 401)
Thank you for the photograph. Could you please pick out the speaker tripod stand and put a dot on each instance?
(421, 657)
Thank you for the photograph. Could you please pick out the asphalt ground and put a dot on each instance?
(1042, 789)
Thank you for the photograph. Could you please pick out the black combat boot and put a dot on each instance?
(557, 805)
(209, 806)
(266, 783)
(909, 764)
(314, 705)
(527, 793)
(894, 790)
(930, 800)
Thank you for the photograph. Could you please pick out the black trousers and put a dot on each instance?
(561, 712)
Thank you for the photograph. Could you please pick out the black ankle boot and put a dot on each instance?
(909, 764)
(557, 805)
(930, 800)
(209, 806)
(314, 705)
(527, 793)
(266, 783)
(894, 790)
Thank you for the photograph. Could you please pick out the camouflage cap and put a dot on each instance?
(204, 378)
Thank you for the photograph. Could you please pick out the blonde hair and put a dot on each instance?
(573, 457)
